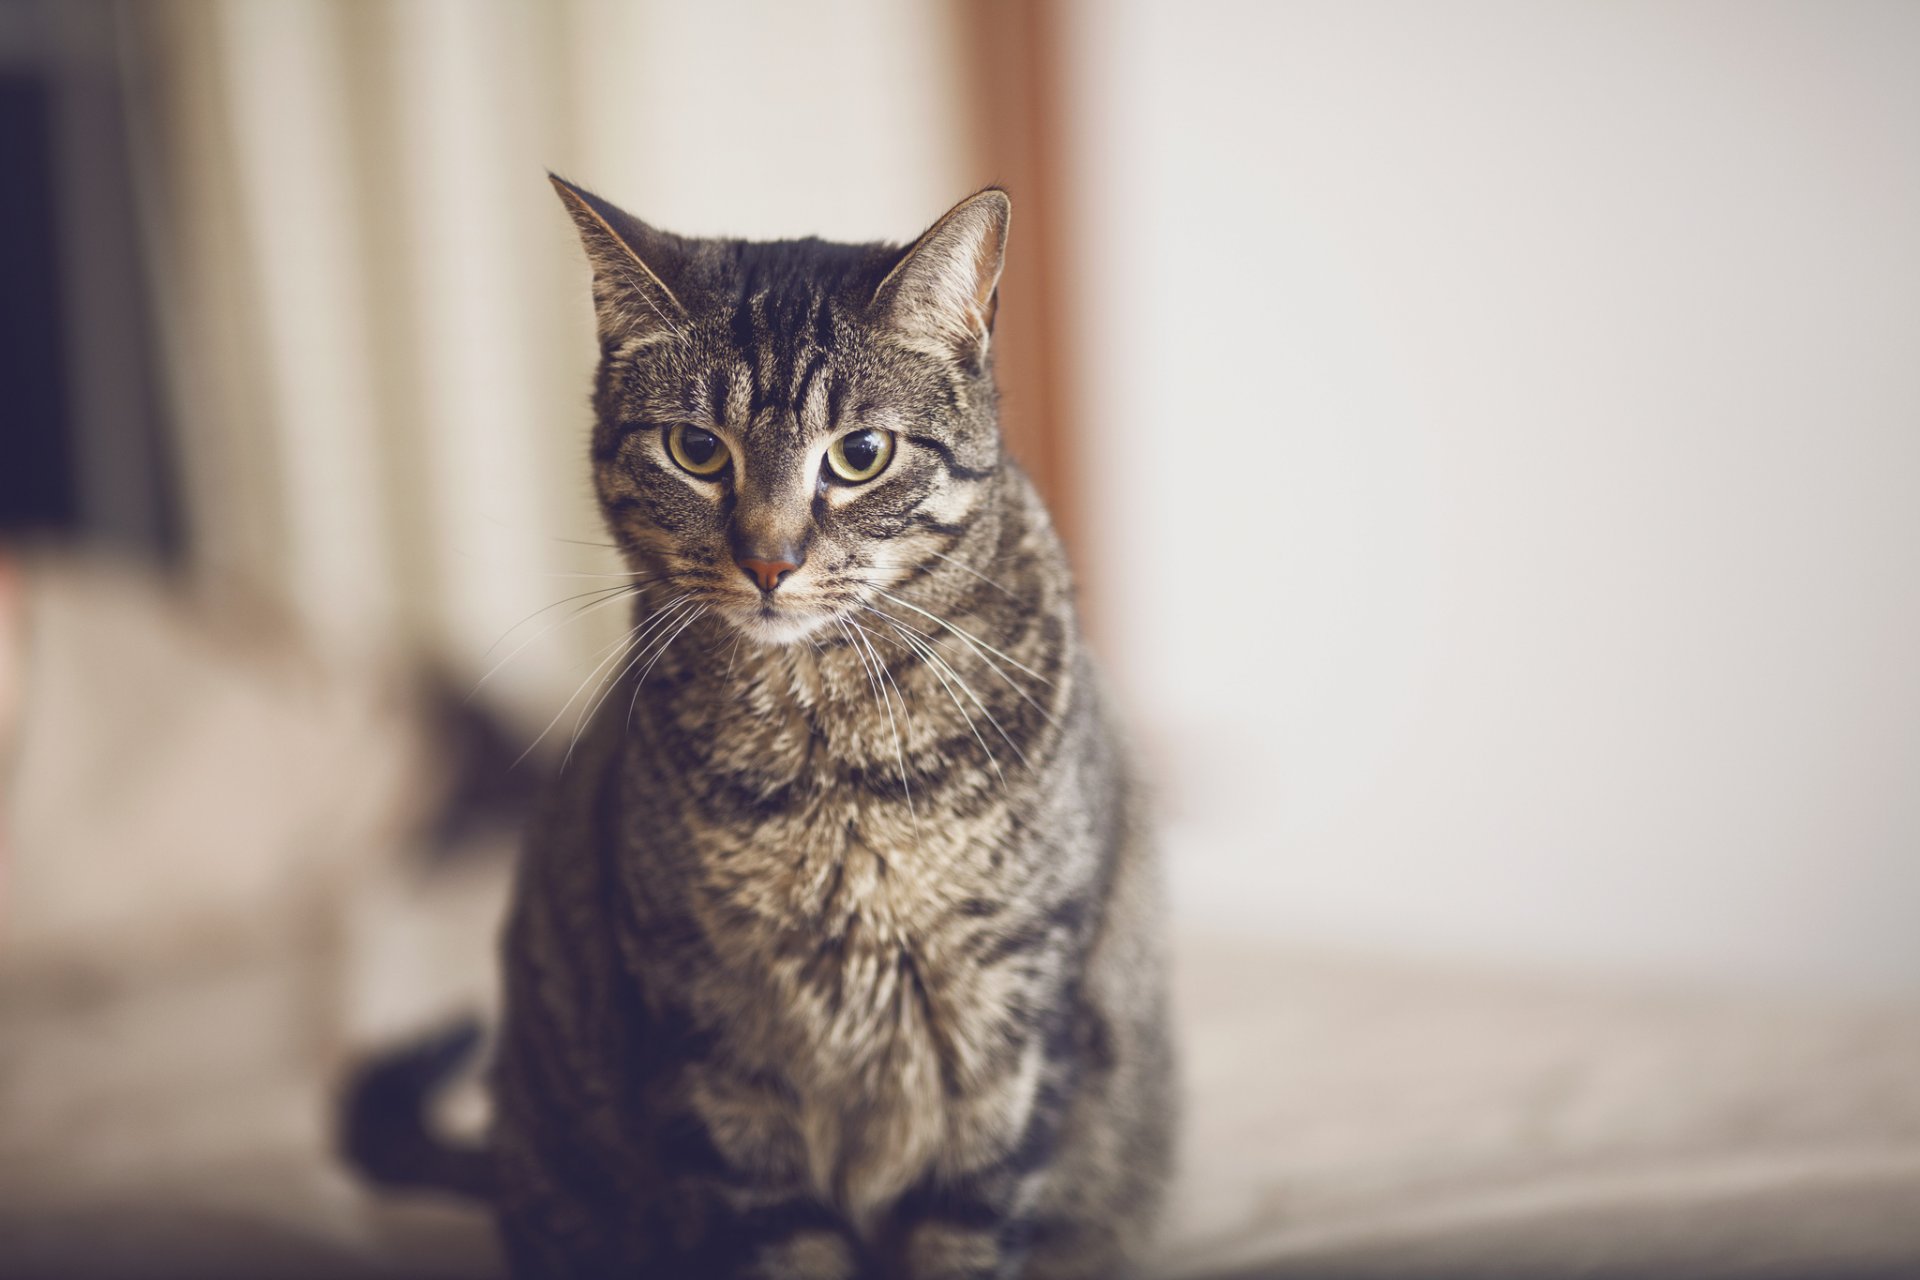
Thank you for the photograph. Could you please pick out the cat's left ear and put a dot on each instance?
(943, 291)
(631, 297)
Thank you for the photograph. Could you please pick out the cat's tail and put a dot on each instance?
(383, 1118)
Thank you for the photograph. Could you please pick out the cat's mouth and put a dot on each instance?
(776, 620)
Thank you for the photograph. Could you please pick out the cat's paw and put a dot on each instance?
(936, 1250)
(805, 1255)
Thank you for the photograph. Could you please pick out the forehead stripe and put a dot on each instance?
(836, 396)
(812, 371)
(823, 323)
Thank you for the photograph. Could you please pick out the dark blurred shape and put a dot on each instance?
(383, 1117)
(88, 454)
(490, 788)
(37, 484)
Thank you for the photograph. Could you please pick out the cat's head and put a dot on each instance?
(787, 428)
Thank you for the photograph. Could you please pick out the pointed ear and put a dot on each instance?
(630, 294)
(942, 291)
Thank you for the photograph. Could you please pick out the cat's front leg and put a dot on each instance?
(978, 1229)
(690, 1234)
(797, 1239)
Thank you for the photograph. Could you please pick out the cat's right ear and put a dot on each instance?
(631, 298)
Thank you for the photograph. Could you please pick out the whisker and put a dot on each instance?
(695, 617)
(665, 619)
(578, 595)
(733, 654)
(659, 651)
(625, 646)
(628, 576)
(842, 624)
(635, 639)
(924, 646)
(600, 666)
(963, 565)
(608, 596)
(968, 635)
(906, 713)
(934, 664)
(892, 724)
(991, 665)
(628, 581)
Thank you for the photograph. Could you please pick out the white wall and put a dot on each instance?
(1506, 423)
(762, 118)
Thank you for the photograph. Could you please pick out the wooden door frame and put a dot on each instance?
(1013, 63)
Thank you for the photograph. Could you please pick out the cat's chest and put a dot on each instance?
(854, 909)
(895, 1046)
(862, 976)
(850, 926)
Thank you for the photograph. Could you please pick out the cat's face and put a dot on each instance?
(787, 430)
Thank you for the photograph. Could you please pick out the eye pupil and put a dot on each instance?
(698, 445)
(861, 450)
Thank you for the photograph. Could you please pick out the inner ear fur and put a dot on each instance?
(631, 264)
(944, 289)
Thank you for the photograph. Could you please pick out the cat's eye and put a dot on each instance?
(697, 450)
(859, 456)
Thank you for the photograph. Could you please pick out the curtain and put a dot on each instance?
(376, 342)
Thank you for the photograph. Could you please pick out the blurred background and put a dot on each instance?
(1487, 434)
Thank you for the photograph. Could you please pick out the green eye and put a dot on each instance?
(860, 455)
(697, 450)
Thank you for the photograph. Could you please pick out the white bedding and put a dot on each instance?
(165, 1054)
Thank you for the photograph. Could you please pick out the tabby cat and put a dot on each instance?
(836, 950)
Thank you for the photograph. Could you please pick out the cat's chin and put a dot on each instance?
(780, 627)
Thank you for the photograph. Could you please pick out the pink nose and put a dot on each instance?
(768, 574)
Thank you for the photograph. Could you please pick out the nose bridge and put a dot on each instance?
(772, 513)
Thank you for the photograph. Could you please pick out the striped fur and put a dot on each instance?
(836, 951)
